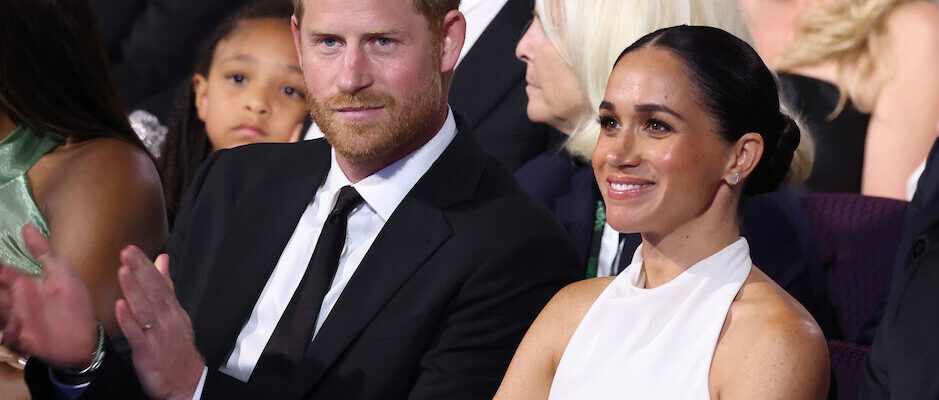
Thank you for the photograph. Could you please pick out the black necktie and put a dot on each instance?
(294, 331)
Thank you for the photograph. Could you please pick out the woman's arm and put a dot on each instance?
(902, 126)
(532, 369)
(98, 197)
(769, 347)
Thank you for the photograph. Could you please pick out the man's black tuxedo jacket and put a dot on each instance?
(434, 311)
(904, 358)
(489, 90)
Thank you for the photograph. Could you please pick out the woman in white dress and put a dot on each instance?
(690, 124)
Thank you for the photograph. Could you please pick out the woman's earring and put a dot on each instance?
(734, 178)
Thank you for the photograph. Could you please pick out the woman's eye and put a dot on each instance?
(608, 123)
(237, 78)
(655, 125)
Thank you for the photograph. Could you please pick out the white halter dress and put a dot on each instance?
(637, 343)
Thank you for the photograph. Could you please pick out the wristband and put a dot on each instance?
(96, 358)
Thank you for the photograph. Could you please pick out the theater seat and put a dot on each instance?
(857, 238)
(847, 359)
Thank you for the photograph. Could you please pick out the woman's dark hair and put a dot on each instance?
(187, 143)
(54, 74)
(739, 92)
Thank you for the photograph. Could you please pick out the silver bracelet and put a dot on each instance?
(97, 358)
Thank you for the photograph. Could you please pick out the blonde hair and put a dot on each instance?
(591, 34)
(852, 34)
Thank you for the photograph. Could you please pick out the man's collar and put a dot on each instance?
(385, 189)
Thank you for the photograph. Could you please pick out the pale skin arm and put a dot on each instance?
(531, 372)
(906, 111)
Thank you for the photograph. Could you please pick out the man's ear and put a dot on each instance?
(746, 155)
(452, 35)
(295, 30)
(200, 88)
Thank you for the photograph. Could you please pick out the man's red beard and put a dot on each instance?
(365, 140)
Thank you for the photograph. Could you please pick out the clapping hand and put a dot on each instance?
(50, 317)
(157, 328)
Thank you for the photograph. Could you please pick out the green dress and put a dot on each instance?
(19, 151)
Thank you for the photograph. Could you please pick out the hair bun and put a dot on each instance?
(774, 165)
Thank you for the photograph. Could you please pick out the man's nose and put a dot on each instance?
(356, 71)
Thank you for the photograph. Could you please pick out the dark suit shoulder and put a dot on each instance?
(502, 215)
(272, 159)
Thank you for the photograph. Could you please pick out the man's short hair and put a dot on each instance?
(432, 10)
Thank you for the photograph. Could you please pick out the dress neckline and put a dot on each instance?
(21, 149)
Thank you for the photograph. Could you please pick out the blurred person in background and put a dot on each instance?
(862, 74)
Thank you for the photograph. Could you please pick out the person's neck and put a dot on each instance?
(356, 170)
(665, 256)
(6, 126)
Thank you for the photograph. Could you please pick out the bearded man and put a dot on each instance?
(393, 260)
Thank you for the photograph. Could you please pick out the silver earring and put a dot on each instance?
(734, 178)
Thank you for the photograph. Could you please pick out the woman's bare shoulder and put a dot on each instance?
(98, 173)
(770, 346)
(561, 316)
(100, 161)
(571, 303)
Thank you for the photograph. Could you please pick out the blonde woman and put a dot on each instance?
(865, 75)
(566, 82)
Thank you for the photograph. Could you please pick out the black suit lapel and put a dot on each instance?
(262, 222)
(492, 61)
(415, 230)
(576, 207)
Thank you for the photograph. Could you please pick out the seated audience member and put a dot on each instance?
(428, 266)
(69, 163)
(150, 44)
(247, 88)
(904, 359)
(489, 82)
(690, 124)
(566, 84)
(862, 75)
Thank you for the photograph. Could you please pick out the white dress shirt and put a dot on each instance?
(611, 249)
(382, 193)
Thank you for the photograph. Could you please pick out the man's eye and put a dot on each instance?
(383, 41)
(329, 42)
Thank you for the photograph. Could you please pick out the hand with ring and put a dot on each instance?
(157, 328)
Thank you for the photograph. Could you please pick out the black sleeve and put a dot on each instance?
(904, 358)
(115, 379)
